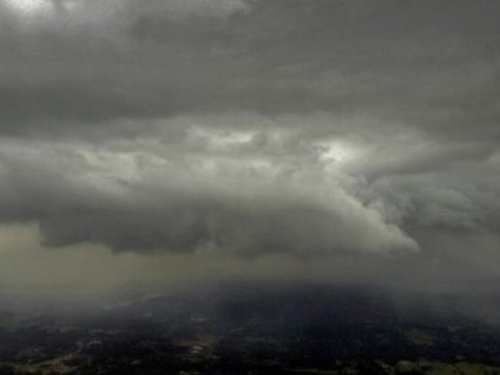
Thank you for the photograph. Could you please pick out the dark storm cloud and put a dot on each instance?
(304, 127)
(127, 202)
(432, 65)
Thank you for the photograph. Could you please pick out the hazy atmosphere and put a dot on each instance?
(154, 143)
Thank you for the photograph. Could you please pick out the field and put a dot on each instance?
(313, 330)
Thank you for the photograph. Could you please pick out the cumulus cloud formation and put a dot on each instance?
(307, 130)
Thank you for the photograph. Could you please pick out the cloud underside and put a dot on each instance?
(251, 127)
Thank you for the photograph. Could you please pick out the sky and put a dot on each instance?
(145, 143)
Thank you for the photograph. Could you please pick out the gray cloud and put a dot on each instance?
(139, 201)
(431, 66)
(215, 127)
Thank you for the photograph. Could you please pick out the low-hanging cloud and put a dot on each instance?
(324, 129)
(208, 202)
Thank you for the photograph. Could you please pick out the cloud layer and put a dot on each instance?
(247, 128)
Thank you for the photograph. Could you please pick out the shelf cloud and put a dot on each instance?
(244, 129)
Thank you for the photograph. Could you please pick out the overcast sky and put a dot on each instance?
(170, 140)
